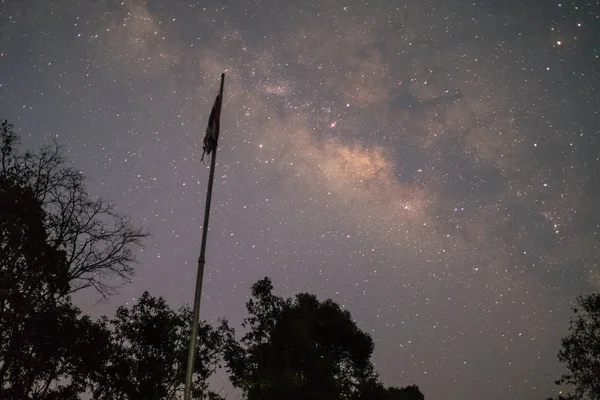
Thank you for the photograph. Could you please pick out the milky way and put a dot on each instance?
(430, 165)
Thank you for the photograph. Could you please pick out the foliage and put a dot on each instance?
(54, 240)
(300, 348)
(47, 351)
(581, 350)
(97, 242)
(379, 392)
(149, 353)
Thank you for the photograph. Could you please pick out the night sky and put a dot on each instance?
(431, 165)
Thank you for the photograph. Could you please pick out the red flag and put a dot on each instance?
(212, 130)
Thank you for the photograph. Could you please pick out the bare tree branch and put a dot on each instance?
(99, 241)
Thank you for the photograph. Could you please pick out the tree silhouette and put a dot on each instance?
(47, 351)
(301, 348)
(379, 392)
(96, 240)
(149, 353)
(54, 240)
(581, 350)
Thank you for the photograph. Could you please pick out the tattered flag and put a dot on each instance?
(212, 130)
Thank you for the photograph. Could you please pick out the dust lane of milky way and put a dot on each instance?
(429, 165)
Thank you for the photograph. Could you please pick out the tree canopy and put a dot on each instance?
(54, 240)
(301, 348)
(580, 351)
(97, 242)
(148, 353)
(46, 348)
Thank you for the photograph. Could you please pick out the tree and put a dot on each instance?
(54, 240)
(97, 241)
(379, 392)
(300, 348)
(47, 351)
(149, 353)
(581, 350)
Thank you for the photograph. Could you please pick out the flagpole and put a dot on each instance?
(200, 274)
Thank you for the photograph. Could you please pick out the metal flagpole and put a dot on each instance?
(200, 275)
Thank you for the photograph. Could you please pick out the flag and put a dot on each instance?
(212, 130)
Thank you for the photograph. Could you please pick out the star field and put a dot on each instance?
(431, 166)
